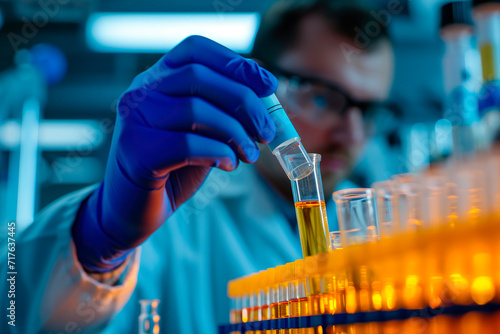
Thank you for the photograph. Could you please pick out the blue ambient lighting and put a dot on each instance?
(158, 33)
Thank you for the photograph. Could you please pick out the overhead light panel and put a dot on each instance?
(158, 33)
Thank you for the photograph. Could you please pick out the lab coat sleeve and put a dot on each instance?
(53, 293)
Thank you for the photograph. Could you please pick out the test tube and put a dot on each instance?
(409, 277)
(335, 240)
(420, 200)
(293, 293)
(282, 288)
(470, 181)
(386, 194)
(486, 14)
(286, 146)
(433, 198)
(245, 299)
(233, 299)
(293, 299)
(301, 288)
(356, 209)
(235, 293)
(149, 320)
(451, 203)
(253, 309)
(313, 268)
(272, 293)
(329, 283)
(262, 305)
(462, 76)
(493, 184)
(310, 209)
(409, 204)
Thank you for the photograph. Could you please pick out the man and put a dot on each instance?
(199, 107)
(322, 71)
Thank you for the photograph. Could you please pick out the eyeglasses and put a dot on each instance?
(319, 99)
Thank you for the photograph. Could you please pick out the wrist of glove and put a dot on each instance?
(97, 251)
(103, 236)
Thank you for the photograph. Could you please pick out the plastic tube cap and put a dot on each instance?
(294, 159)
(262, 280)
(271, 276)
(280, 274)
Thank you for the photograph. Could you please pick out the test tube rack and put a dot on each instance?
(440, 275)
(423, 282)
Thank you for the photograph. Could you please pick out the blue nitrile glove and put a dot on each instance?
(489, 98)
(198, 107)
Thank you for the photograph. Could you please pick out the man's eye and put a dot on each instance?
(320, 101)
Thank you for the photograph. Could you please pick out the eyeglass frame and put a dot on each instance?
(363, 106)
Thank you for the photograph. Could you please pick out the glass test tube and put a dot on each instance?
(420, 200)
(330, 295)
(388, 215)
(270, 296)
(261, 298)
(385, 290)
(282, 287)
(313, 268)
(335, 242)
(470, 188)
(253, 308)
(356, 209)
(409, 206)
(273, 296)
(409, 280)
(493, 184)
(303, 309)
(293, 299)
(456, 273)
(235, 302)
(291, 287)
(310, 209)
(245, 300)
(461, 76)
(486, 16)
(357, 215)
(487, 23)
(434, 191)
(149, 320)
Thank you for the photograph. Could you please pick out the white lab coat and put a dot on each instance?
(231, 227)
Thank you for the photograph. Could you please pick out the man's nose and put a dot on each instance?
(349, 128)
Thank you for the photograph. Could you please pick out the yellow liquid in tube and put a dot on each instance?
(283, 311)
(313, 227)
(274, 315)
(488, 62)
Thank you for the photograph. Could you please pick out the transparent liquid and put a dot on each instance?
(313, 227)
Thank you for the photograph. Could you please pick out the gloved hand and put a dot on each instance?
(198, 107)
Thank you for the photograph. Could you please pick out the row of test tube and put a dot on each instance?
(425, 272)
(460, 191)
(390, 275)
(415, 242)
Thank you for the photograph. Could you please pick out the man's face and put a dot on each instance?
(364, 75)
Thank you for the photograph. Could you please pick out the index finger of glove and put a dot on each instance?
(201, 50)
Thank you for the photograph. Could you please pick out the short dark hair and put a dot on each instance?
(279, 27)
